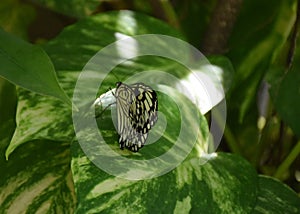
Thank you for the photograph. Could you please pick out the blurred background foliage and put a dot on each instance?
(258, 37)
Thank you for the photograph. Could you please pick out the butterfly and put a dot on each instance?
(137, 107)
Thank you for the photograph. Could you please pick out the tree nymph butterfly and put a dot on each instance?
(137, 107)
(136, 114)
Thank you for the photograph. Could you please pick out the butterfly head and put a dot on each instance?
(118, 84)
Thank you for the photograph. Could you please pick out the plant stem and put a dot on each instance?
(170, 13)
(231, 141)
(284, 166)
(230, 138)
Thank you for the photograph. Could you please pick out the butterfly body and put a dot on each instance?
(136, 112)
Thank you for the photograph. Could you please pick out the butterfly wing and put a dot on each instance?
(143, 110)
(137, 114)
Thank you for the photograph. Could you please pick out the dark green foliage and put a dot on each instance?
(43, 166)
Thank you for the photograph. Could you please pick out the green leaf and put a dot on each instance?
(275, 197)
(74, 8)
(254, 49)
(287, 100)
(225, 184)
(37, 178)
(285, 92)
(41, 117)
(28, 66)
(8, 100)
(179, 128)
(75, 46)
